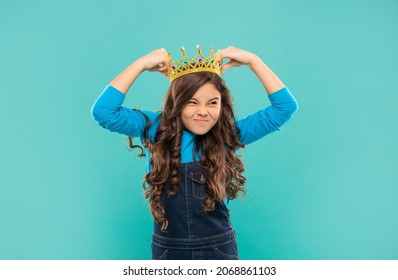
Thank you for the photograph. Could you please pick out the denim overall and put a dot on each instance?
(193, 234)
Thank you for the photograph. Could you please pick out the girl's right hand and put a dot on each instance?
(157, 60)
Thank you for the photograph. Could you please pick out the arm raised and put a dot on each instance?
(155, 61)
(239, 57)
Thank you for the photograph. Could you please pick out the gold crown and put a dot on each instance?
(198, 63)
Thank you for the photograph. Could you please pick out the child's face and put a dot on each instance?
(201, 112)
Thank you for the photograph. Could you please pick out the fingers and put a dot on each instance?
(231, 63)
(163, 58)
(166, 58)
(162, 68)
(159, 68)
(226, 66)
(231, 53)
(156, 59)
(225, 53)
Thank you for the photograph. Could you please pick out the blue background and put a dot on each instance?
(324, 187)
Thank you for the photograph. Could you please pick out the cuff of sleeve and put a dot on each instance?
(113, 90)
(280, 94)
(113, 96)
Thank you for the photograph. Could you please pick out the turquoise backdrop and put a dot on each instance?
(324, 187)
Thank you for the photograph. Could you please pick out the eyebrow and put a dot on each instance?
(214, 98)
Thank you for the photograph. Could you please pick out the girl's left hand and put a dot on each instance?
(237, 57)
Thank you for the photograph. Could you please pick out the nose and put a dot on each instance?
(202, 112)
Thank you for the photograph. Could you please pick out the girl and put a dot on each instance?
(192, 165)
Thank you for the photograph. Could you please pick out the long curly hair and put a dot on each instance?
(217, 148)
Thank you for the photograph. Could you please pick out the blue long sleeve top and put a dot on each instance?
(110, 114)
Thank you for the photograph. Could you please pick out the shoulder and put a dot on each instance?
(152, 122)
(152, 116)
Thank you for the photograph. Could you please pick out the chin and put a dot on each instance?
(199, 129)
(200, 132)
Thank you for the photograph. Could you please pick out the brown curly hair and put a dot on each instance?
(217, 148)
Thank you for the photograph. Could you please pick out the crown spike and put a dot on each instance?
(198, 63)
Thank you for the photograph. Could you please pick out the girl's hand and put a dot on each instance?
(157, 60)
(237, 57)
